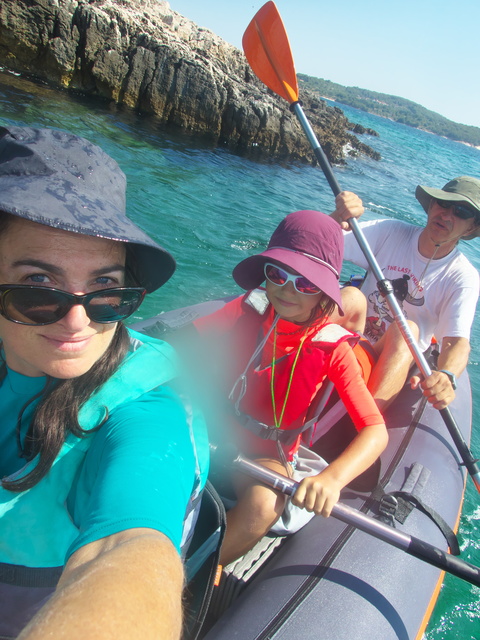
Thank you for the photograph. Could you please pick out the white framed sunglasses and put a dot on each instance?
(279, 277)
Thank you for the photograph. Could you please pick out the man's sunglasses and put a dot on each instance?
(462, 212)
(37, 306)
(280, 277)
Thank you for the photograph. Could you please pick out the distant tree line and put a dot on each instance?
(398, 109)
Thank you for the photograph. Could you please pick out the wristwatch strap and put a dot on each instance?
(453, 378)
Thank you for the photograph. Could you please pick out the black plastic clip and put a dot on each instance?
(292, 105)
(387, 508)
(385, 287)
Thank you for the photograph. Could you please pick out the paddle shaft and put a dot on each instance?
(411, 545)
(268, 51)
(386, 289)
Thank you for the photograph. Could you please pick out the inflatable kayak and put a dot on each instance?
(330, 580)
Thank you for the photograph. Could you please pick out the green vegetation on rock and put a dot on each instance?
(393, 107)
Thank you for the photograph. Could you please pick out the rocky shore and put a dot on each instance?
(143, 54)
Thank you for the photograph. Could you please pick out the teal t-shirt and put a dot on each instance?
(139, 470)
(15, 392)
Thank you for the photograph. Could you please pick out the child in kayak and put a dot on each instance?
(282, 347)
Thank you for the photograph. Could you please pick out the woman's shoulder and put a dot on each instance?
(151, 418)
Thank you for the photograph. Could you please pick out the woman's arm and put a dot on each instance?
(125, 586)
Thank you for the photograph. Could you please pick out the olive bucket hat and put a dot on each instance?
(63, 181)
(311, 243)
(462, 190)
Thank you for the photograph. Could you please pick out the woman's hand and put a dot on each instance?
(318, 493)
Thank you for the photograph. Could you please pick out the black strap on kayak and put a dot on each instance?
(397, 505)
(21, 576)
(416, 503)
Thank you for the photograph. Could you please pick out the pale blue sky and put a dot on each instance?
(425, 50)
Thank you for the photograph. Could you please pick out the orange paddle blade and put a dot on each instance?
(266, 46)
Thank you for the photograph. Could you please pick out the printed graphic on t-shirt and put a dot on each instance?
(439, 294)
(377, 324)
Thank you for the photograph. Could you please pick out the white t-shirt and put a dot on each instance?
(440, 296)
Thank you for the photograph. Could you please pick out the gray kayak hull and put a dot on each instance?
(330, 581)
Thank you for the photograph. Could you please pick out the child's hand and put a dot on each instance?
(318, 494)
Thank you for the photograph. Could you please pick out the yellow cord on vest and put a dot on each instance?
(278, 422)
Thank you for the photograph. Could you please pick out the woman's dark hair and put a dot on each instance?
(56, 414)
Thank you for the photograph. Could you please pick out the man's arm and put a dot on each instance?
(438, 387)
(454, 355)
(125, 586)
(348, 205)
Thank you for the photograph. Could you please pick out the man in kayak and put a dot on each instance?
(433, 281)
(98, 466)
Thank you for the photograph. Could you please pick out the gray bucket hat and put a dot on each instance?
(464, 189)
(63, 181)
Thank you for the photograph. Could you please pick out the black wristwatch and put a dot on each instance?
(452, 376)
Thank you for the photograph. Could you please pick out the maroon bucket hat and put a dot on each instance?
(309, 242)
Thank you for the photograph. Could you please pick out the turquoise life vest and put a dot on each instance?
(34, 540)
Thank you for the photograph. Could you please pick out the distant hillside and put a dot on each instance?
(398, 109)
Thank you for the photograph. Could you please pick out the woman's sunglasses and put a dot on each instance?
(38, 306)
(459, 210)
(280, 277)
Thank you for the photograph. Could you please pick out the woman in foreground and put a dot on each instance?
(97, 464)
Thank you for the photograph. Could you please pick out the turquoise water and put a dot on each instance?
(211, 209)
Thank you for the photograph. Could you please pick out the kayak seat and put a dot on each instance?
(201, 562)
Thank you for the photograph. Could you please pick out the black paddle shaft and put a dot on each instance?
(411, 545)
(386, 289)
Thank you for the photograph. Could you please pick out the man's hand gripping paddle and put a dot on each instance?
(266, 46)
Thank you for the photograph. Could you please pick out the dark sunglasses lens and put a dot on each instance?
(113, 306)
(444, 204)
(462, 212)
(29, 306)
(275, 274)
(305, 286)
(43, 306)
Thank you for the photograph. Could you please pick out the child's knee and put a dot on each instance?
(261, 510)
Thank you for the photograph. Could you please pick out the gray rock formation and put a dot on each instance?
(143, 54)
